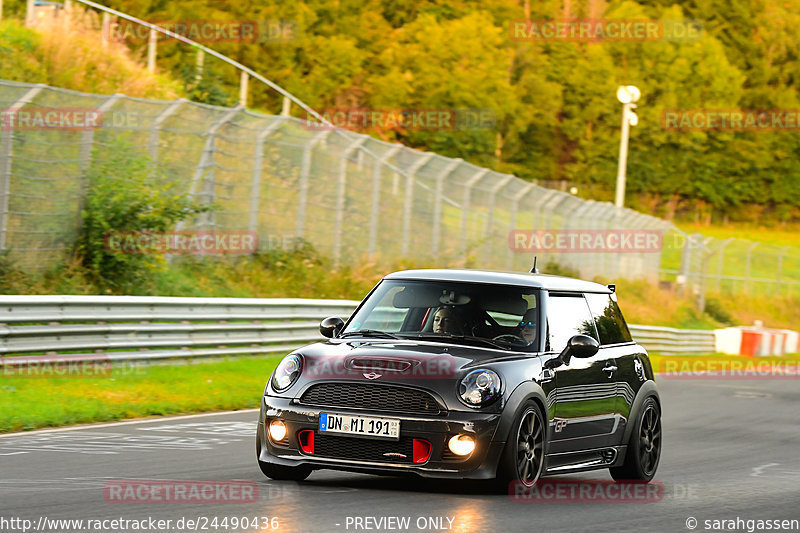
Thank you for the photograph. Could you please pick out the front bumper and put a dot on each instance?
(437, 430)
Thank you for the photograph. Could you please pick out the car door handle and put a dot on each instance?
(547, 375)
(610, 369)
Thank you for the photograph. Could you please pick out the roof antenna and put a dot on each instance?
(534, 270)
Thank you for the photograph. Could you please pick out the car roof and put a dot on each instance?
(525, 279)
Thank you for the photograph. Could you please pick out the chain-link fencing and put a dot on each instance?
(350, 195)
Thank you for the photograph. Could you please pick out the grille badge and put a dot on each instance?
(395, 454)
(372, 375)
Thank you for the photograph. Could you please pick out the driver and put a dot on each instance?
(445, 320)
(528, 326)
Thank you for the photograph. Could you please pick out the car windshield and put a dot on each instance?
(495, 316)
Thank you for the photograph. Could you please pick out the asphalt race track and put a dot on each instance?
(731, 450)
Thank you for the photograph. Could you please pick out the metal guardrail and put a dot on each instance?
(671, 341)
(132, 328)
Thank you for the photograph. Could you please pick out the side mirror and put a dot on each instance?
(331, 326)
(580, 346)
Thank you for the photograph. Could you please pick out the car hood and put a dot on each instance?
(432, 365)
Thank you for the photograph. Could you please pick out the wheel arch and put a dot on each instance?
(647, 390)
(528, 391)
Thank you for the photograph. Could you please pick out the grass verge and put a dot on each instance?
(30, 402)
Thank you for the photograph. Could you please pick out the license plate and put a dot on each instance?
(360, 426)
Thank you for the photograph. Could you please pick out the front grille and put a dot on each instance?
(372, 397)
(364, 449)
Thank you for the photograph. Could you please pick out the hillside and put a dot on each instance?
(69, 55)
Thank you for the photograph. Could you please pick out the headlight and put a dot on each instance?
(287, 372)
(479, 388)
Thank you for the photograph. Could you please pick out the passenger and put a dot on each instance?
(528, 326)
(446, 320)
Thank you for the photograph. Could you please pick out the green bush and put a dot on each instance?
(126, 196)
(716, 310)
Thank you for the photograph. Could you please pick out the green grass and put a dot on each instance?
(30, 402)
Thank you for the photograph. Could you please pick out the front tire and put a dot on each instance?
(522, 460)
(644, 446)
(280, 472)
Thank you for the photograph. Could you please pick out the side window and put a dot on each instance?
(610, 324)
(567, 316)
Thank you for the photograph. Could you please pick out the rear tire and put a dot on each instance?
(522, 460)
(644, 446)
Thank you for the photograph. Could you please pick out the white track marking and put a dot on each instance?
(148, 420)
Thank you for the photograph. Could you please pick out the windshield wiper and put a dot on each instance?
(451, 336)
(369, 333)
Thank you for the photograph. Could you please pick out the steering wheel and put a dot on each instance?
(511, 339)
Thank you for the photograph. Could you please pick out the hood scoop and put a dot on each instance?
(378, 364)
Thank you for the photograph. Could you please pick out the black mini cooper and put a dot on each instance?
(467, 374)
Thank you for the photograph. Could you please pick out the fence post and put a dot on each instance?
(721, 262)
(29, 14)
(514, 210)
(243, 78)
(155, 131)
(341, 196)
(376, 192)
(465, 207)
(151, 50)
(779, 275)
(7, 136)
(437, 205)
(206, 160)
(106, 29)
(198, 65)
(747, 267)
(305, 169)
(409, 200)
(490, 216)
(258, 158)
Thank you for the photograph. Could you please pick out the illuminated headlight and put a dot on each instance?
(479, 388)
(287, 372)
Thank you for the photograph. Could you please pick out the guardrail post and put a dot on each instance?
(437, 205)
(151, 50)
(465, 207)
(255, 184)
(7, 136)
(376, 196)
(305, 169)
(341, 196)
(409, 200)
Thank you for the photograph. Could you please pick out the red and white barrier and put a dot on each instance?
(753, 341)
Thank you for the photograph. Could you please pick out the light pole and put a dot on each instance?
(628, 95)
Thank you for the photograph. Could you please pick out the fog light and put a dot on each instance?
(277, 430)
(461, 445)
